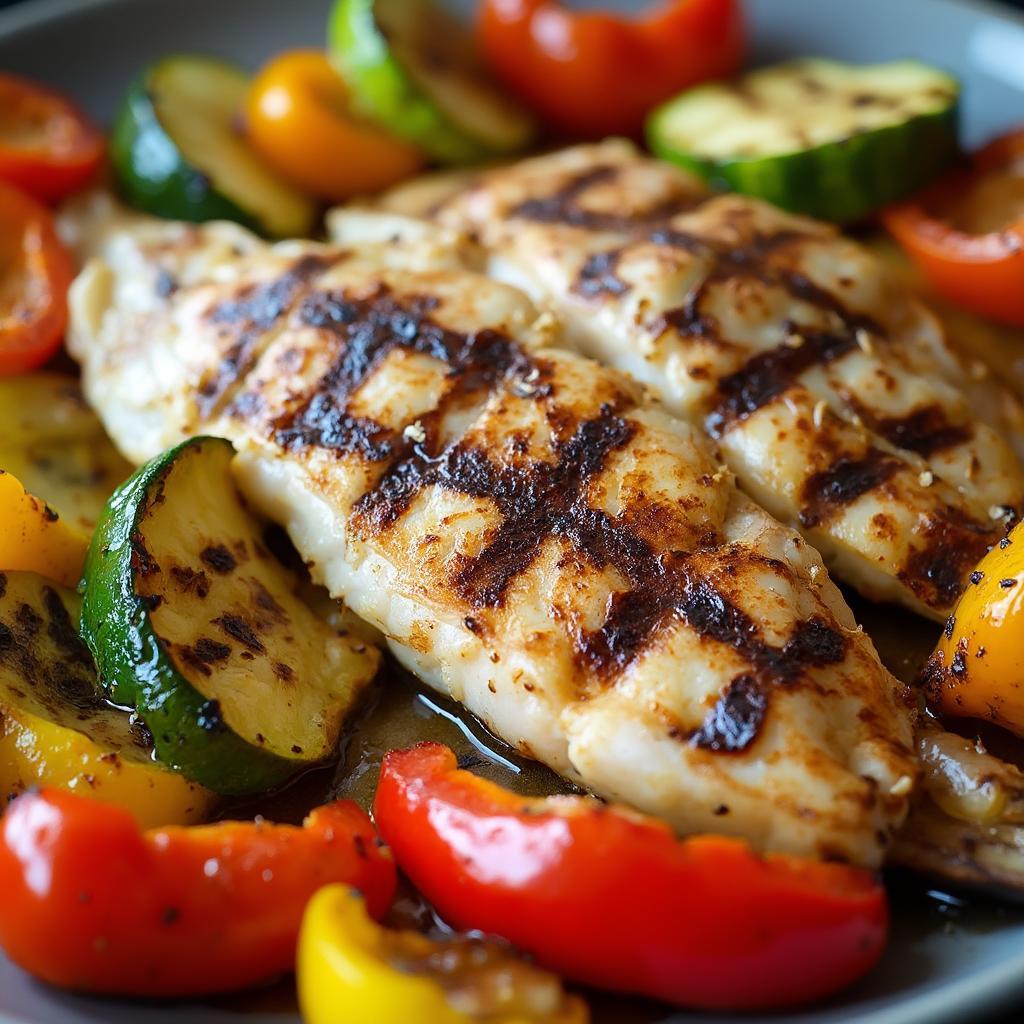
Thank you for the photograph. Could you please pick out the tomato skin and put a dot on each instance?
(92, 903)
(33, 302)
(297, 117)
(613, 899)
(593, 74)
(983, 273)
(66, 149)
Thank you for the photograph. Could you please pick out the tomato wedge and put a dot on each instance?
(92, 903)
(966, 232)
(590, 74)
(48, 146)
(297, 116)
(35, 274)
(613, 899)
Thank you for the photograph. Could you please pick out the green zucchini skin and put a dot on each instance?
(843, 181)
(385, 92)
(154, 176)
(189, 734)
(157, 177)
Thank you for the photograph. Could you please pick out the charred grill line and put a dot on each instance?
(954, 544)
(846, 480)
(536, 501)
(371, 328)
(925, 431)
(251, 314)
(563, 206)
(598, 275)
(770, 374)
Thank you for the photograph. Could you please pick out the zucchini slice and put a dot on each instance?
(414, 70)
(832, 140)
(56, 446)
(195, 625)
(56, 729)
(179, 153)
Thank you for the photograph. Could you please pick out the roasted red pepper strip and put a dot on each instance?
(590, 74)
(613, 899)
(48, 146)
(966, 232)
(92, 903)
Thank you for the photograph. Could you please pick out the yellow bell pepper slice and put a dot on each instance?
(55, 730)
(56, 446)
(351, 969)
(977, 670)
(32, 536)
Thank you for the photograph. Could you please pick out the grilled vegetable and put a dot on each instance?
(966, 233)
(55, 728)
(178, 152)
(978, 665)
(94, 904)
(195, 625)
(48, 147)
(35, 273)
(55, 445)
(815, 136)
(34, 537)
(353, 970)
(701, 922)
(297, 116)
(413, 70)
(593, 73)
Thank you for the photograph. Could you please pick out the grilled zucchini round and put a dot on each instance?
(195, 625)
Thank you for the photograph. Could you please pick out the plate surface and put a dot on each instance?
(945, 962)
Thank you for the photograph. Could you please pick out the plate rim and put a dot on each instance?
(983, 992)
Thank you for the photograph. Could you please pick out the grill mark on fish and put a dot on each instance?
(770, 374)
(954, 544)
(654, 225)
(250, 314)
(598, 275)
(736, 719)
(826, 492)
(372, 327)
(563, 206)
(673, 588)
(925, 431)
(536, 501)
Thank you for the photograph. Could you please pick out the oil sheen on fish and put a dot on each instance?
(831, 392)
(532, 535)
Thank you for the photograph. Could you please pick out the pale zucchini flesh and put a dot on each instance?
(832, 140)
(180, 151)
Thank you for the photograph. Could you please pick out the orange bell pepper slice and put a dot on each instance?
(297, 116)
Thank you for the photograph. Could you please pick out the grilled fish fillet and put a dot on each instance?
(533, 537)
(831, 393)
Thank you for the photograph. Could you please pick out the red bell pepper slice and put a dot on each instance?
(48, 147)
(966, 232)
(35, 274)
(92, 903)
(613, 899)
(591, 74)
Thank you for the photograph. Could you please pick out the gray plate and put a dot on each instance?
(945, 962)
